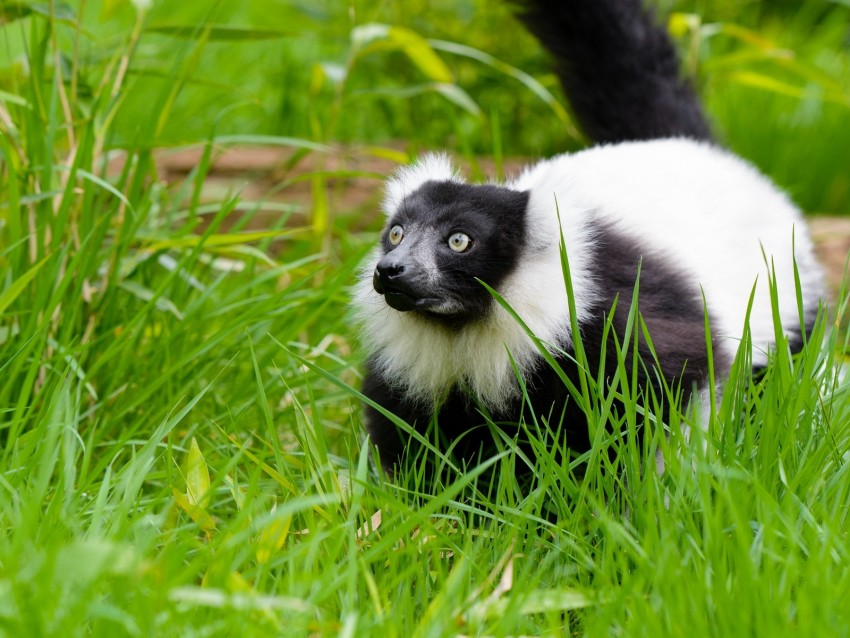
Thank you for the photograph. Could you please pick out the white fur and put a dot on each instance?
(702, 208)
(431, 166)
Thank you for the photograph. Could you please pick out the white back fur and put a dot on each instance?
(706, 210)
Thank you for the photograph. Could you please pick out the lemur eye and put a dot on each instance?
(459, 242)
(396, 234)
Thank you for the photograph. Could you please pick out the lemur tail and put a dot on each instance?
(618, 68)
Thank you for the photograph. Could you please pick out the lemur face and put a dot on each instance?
(444, 237)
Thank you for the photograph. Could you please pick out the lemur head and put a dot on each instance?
(425, 318)
(443, 236)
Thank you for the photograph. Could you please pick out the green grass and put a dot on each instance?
(180, 434)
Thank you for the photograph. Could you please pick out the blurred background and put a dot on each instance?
(448, 74)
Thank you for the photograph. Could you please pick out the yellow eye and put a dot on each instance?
(459, 242)
(396, 234)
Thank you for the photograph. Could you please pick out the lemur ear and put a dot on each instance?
(518, 200)
(429, 167)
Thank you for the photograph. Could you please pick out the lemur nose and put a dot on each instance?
(388, 270)
(387, 274)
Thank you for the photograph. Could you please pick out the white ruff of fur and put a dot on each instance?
(425, 359)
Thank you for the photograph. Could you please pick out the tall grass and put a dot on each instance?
(180, 447)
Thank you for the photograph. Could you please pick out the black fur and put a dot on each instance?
(618, 68)
(494, 217)
(674, 316)
(670, 305)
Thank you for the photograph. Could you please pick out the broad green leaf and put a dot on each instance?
(421, 54)
(196, 513)
(369, 38)
(236, 583)
(197, 476)
(272, 537)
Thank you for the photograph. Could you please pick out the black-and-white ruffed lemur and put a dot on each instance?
(656, 193)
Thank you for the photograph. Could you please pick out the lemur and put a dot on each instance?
(656, 195)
